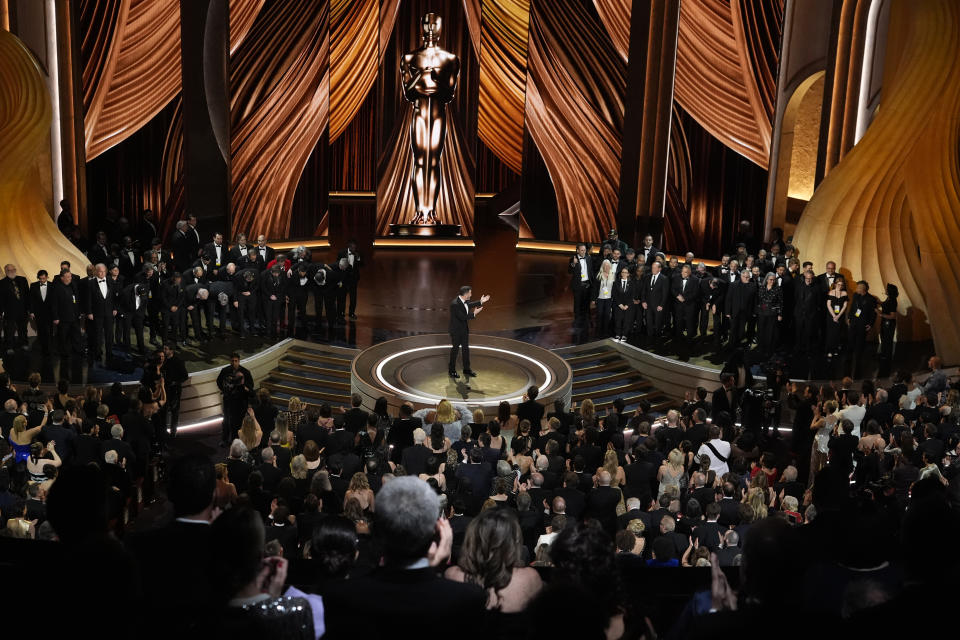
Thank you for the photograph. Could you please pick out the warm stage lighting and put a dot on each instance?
(410, 396)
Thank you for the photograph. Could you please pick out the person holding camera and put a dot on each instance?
(236, 385)
(133, 310)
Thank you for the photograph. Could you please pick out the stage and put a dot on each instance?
(414, 369)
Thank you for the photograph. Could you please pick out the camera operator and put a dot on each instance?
(236, 385)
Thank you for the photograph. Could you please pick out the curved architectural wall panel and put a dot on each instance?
(890, 210)
(575, 92)
(279, 82)
(503, 78)
(726, 70)
(30, 236)
(243, 13)
(616, 18)
(354, 58)
(101, 23)
(143, 43)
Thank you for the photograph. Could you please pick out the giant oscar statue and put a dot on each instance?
(429, 76)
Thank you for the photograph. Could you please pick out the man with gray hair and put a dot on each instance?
(414, 459)
(602, 503)
(729, 555)
(268, 469)
(6, 418)
(389, 603)
(123, 449)
(101, 308)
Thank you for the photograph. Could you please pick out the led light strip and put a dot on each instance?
(411, 396)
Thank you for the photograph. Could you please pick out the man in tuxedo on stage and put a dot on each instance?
(581, 283)
(133, 306)
(182, 245)
(266, 252)
(355, 262)
(41, 310)
(738, 307)
(653, 298)
(67, 318)
(14, 302)
(462, 310)
(101, 309)
(216, 253)
(686, 293)
(647, 253)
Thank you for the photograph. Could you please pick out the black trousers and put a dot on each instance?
(767, 341)
(805, 332)
(581, 303)
(14, 325)
(247, 308)
(685, 315)
(622, 320)
(233, 410)
(296, 309)
(352, 291)
(271, 315)
(69, 340)
(738, 325)
(133, 320)
(174, 393)
(44, 334)
(459, 340)
(177, 320)
(604, 315)
(654, 320)
(887, 330)
(102, 329)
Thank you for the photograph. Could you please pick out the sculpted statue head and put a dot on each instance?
(430, 27)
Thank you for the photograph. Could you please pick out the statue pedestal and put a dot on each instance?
(425, 230)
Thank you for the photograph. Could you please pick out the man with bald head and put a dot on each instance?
(602, 503)
(100, 308)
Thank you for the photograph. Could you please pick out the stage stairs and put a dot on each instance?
(315, 373)
(318, 373)
(602, 374)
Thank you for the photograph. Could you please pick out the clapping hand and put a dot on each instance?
(484, 298)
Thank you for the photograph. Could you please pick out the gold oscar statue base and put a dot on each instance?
(426, 230)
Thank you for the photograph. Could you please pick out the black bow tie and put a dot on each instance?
(43, 284)
(101, 280)
(217, 246)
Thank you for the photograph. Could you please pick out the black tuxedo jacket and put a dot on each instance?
(267, 253)
(98, 253)
(357, 264)
(42, 309)
(741, 298)
(130, 266)
(66, 302)
(209, 250)
(575, 499)
(720, 403)
(690, 294)
(602, 505)
(533, 411)
(99, 305)
(459, 315)
(625, 296)
(14, 296)
(655, 295)
(237, 253)
(270, 287)
(651, 255)
(183, 257)
(575, 272)
(127, 301)
(389, 604)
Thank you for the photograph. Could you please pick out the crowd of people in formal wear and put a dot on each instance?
(525, 521)
(755, 295)
(181, 290)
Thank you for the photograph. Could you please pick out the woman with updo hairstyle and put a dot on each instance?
(492, 557)
(334, 547)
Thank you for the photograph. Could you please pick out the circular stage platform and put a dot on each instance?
(414, 369)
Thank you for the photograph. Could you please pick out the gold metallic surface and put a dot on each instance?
(429, 76)
(889, 211)
(30, 239)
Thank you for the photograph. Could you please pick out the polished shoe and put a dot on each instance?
(453, 374)
(353, 316)
(470, 373)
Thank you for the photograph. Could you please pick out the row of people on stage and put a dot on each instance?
(771, 299)
(248, 288)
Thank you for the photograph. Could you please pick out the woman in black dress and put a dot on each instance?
(837, 302)
(888, 322)
(770, 312)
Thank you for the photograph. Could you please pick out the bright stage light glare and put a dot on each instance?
(433, 399)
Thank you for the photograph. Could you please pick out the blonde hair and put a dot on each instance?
(610, 464)
(587, 410)
(445, 413)
(282, 426)
(478, 416)
(20, 424)
(294, 404)
(757, 502)
(221, 469)
(675, 458)
(359, 482)
(248, 432)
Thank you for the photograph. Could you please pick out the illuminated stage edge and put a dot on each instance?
(414, 369)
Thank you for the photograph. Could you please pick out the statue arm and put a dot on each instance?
(409, 81)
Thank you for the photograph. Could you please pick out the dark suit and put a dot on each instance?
(401, 436)
(460, 313)
(133, 313)
(533, 411)
(389, 604)
(66, 316)
(15, 304)
(182, 243)
(647, 255)
(210, 251)
(655, 293)
(267, 253)
(581, 288)
(414, 459)
(354, 278)
(602, 506)
(102, 308)
(41, 310)
(721, 403)
(739, 305)
(272, 292)
(624, 295)
(173, 310)
(686, 311)
(575, 499)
